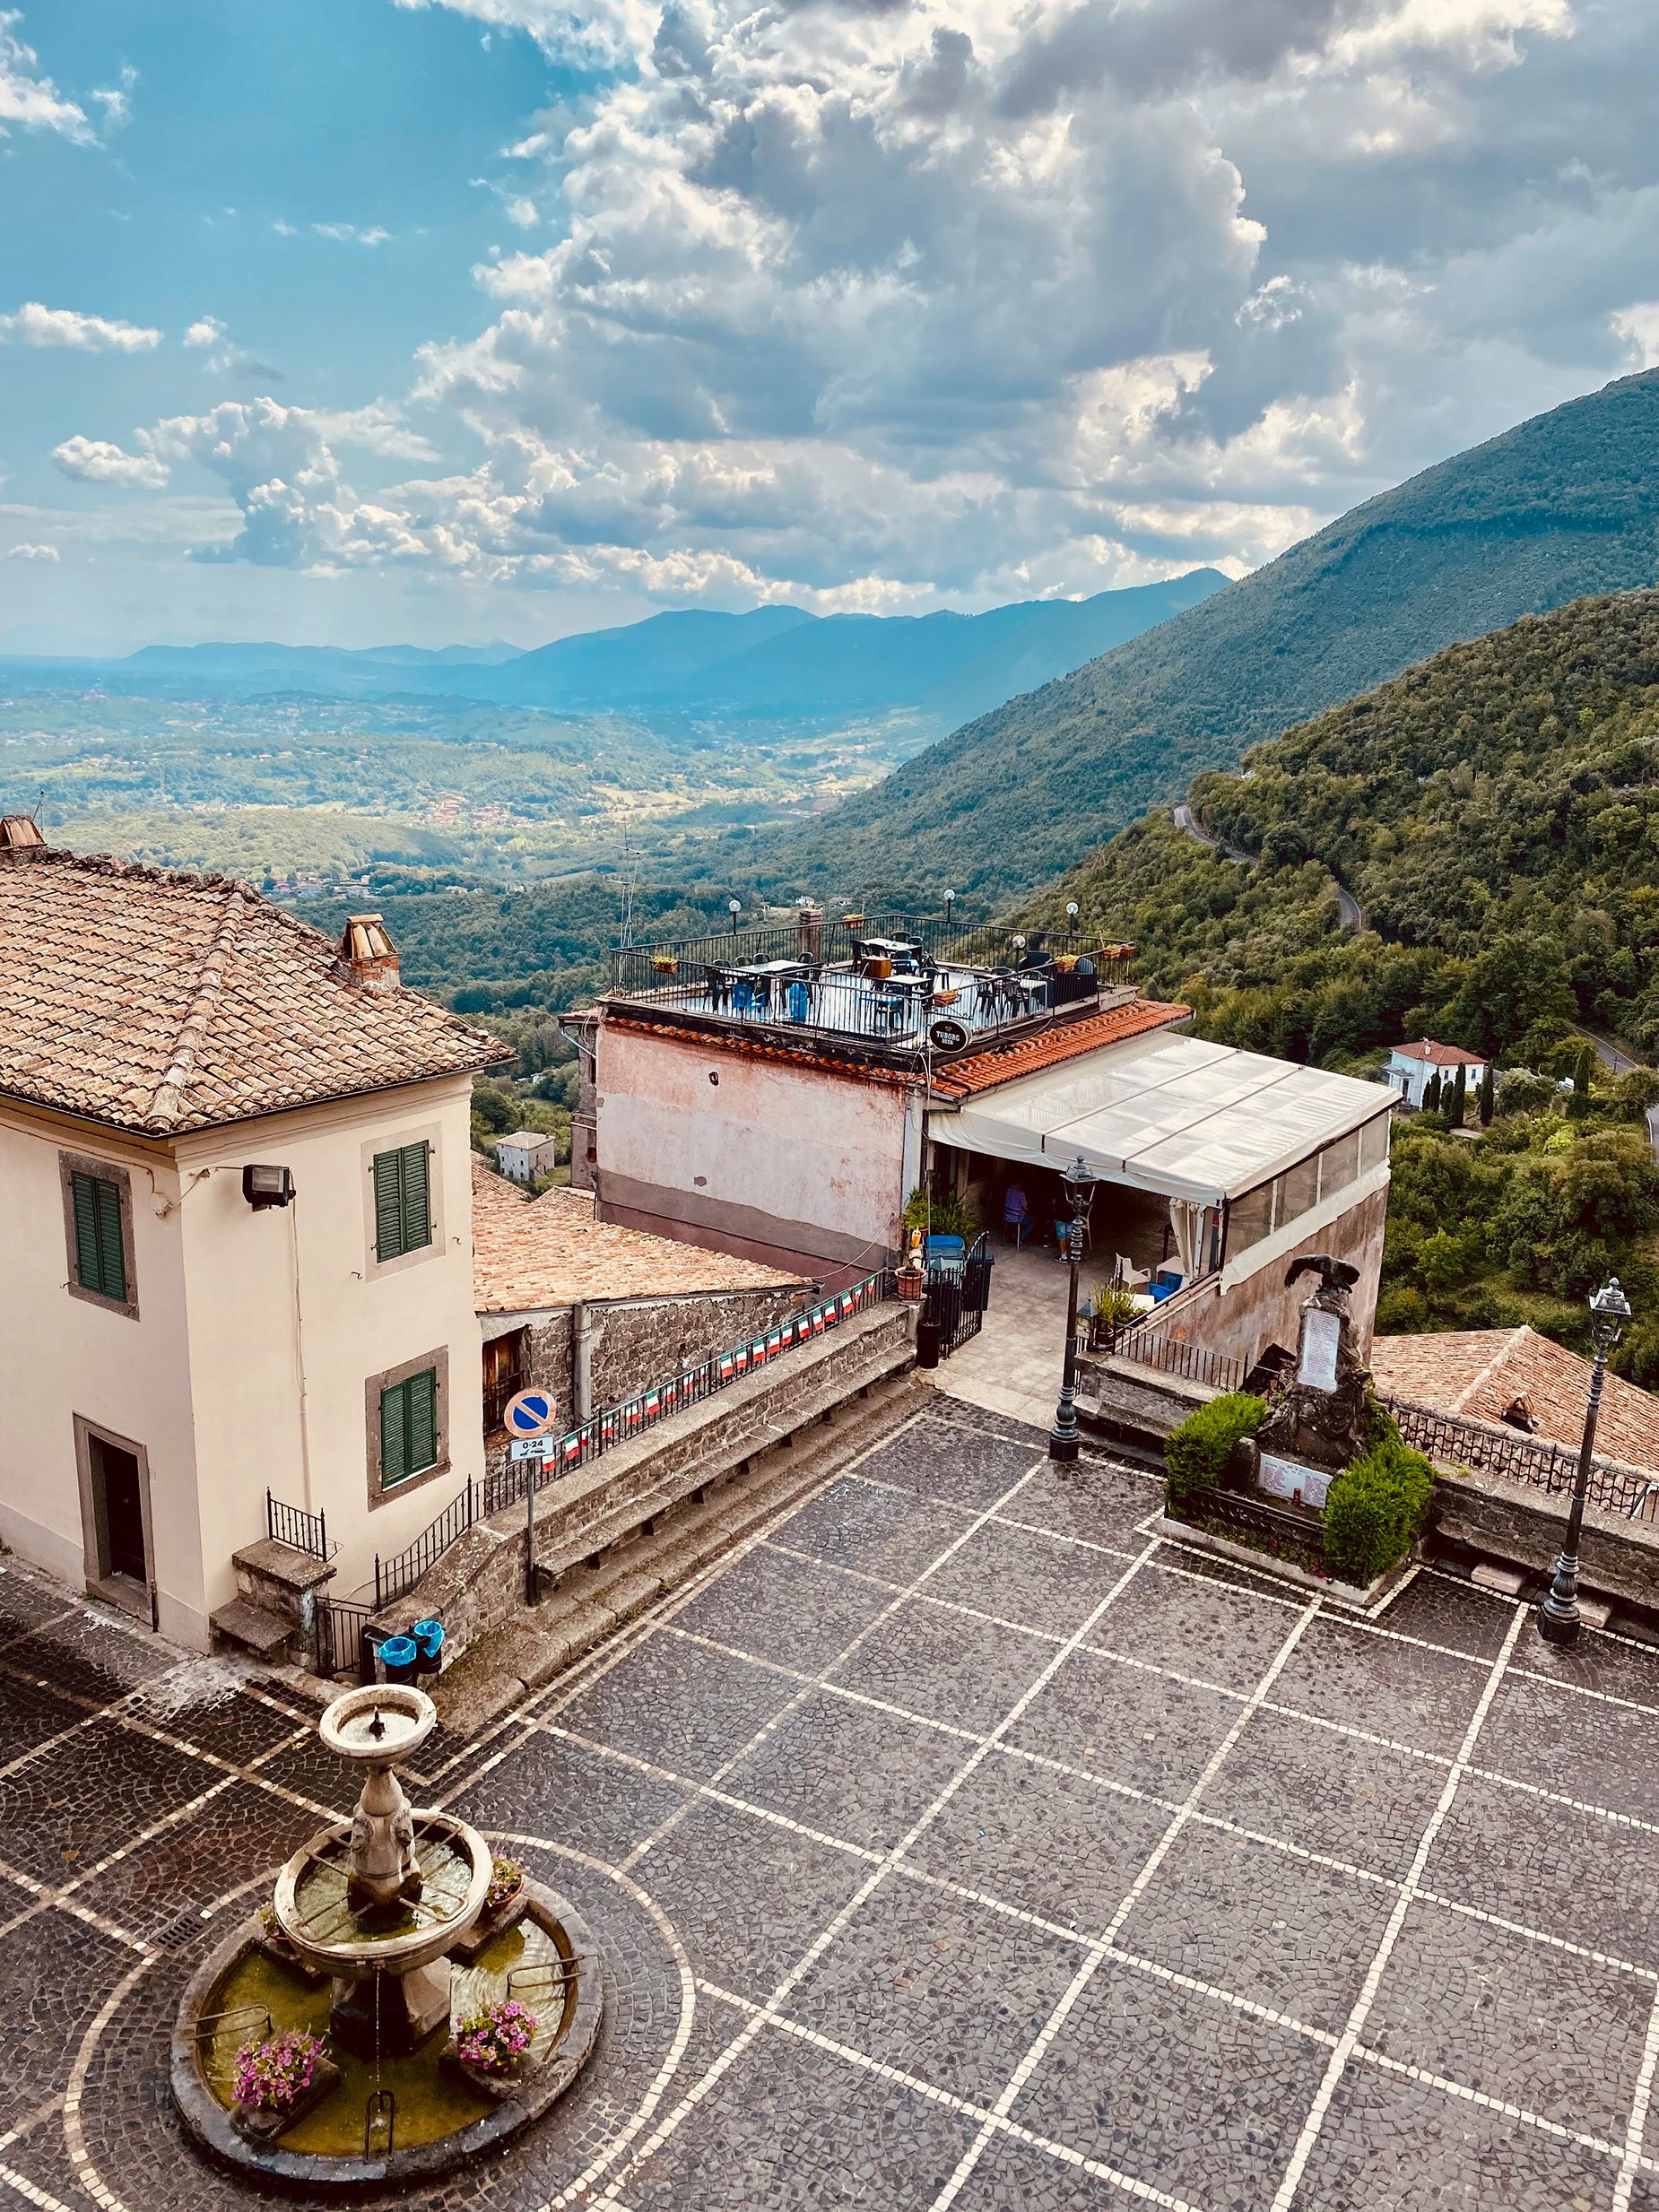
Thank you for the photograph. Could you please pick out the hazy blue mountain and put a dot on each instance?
(1564, 506)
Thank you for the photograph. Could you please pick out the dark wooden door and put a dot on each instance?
(117, 1474)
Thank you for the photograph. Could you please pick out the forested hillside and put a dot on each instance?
(1561, 507)
(1496, 814)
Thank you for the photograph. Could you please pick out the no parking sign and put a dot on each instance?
(530, 1413)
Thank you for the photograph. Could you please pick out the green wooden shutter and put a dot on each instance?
(388, 1205)
(393, 1435)
(101, 1263)
(417, 1198)
(402, 1202)
(422, 1391)
(111, 1259)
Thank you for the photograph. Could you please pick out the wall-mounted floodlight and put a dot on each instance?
(268, 1187)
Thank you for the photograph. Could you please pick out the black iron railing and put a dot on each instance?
(338, 1629)
(1195, 1363)
(1533, 1461)
(1261, 1526)
(956, 1293)
(616, 1425)
(830, 941)
(292, 1524)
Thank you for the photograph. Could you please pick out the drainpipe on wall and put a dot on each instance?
(581, 1362)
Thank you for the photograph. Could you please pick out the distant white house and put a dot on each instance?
(1413, 1067)
(527, 1154)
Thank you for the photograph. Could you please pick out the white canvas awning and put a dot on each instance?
(1167, 1114)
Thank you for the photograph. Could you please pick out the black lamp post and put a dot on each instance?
(734, 906)
(1558, 1620)
(1064, 1437)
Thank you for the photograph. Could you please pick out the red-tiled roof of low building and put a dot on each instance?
(1440, 1055)
(159, 1001)
(530, 1254)
(1048, 1048)
(1483, 1373)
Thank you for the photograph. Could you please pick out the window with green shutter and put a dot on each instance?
(101, 1263)
(402, 1201)
(409, 1428)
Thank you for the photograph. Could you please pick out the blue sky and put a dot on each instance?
(368, 321)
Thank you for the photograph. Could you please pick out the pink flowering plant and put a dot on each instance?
(273, 2077)
(496, 2037)
(507, 1878)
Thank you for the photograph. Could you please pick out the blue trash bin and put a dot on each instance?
(399, 1657)
(428, 1642)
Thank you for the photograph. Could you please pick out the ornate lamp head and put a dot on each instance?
(1609, 1310)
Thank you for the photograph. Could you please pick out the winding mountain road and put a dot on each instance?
(1348, 907)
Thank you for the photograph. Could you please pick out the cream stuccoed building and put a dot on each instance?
(235, 1181)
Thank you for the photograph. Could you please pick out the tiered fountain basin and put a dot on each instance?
(377, 1944)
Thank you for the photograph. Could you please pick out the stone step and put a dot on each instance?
(249, 1627)
(588, 1604)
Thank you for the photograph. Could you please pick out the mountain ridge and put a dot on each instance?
(1548, 511)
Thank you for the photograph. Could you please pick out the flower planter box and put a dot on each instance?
(664, 967)
(1348, 1594)
(496, 2088)
(260, 2123)
(488, 1926)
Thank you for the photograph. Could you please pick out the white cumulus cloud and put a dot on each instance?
(39, 326)
(30, 551)
(94, 461)
(28, 97)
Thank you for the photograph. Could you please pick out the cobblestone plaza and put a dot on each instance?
(959, 1842)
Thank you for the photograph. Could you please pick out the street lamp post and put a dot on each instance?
(734, 906)
(1558, 1620)
(1064, 1437)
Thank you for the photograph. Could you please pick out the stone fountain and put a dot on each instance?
(376, 1937)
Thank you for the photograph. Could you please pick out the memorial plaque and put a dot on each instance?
(1322, 1337)
(1290, 1479)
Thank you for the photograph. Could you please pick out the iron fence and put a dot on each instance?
(1149, 1339)
(338, 1627)
(292, 1525)
(1261, 1526)
(828, 941)
(618, 1425)
(956, 1292)
(1533, 1461)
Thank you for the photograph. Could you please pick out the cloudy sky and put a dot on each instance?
(357, 320)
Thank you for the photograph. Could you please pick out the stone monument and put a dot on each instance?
(1320, 1422)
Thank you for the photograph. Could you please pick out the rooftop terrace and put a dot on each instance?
(887, 985)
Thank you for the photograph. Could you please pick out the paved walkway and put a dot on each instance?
(957, 1844)
(1012, 1367)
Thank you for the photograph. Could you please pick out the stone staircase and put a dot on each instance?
(647, 1516)
(270, 1617)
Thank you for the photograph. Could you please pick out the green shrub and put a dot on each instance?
(1377, 1508)
(1195, 1453)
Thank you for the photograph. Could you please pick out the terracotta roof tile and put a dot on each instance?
(1482, 1372)
(1439, 1055)
(529, 1253)
(1027, 1055)
(159, 1000)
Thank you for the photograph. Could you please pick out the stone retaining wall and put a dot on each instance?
(479, 1583)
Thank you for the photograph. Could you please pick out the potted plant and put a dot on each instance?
(506, 1902)
(664, 964)
(278, 2080)
(491, 2045)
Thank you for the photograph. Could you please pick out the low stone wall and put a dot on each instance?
(479, 1583)
(1618, 1558)
(640, 1341)
(1137, 1405)
(1501, 1520)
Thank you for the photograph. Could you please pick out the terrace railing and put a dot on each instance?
(1533, 1461)
(618, 1425)
(292, 1524)
(1152, 1339)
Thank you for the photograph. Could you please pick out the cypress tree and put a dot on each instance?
(1578, 1105)
(1460, 1097)
(1431, 1094)
(1487, 1095)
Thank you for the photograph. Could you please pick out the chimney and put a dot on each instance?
(809, 929)
(366, 953)
(20, 839)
